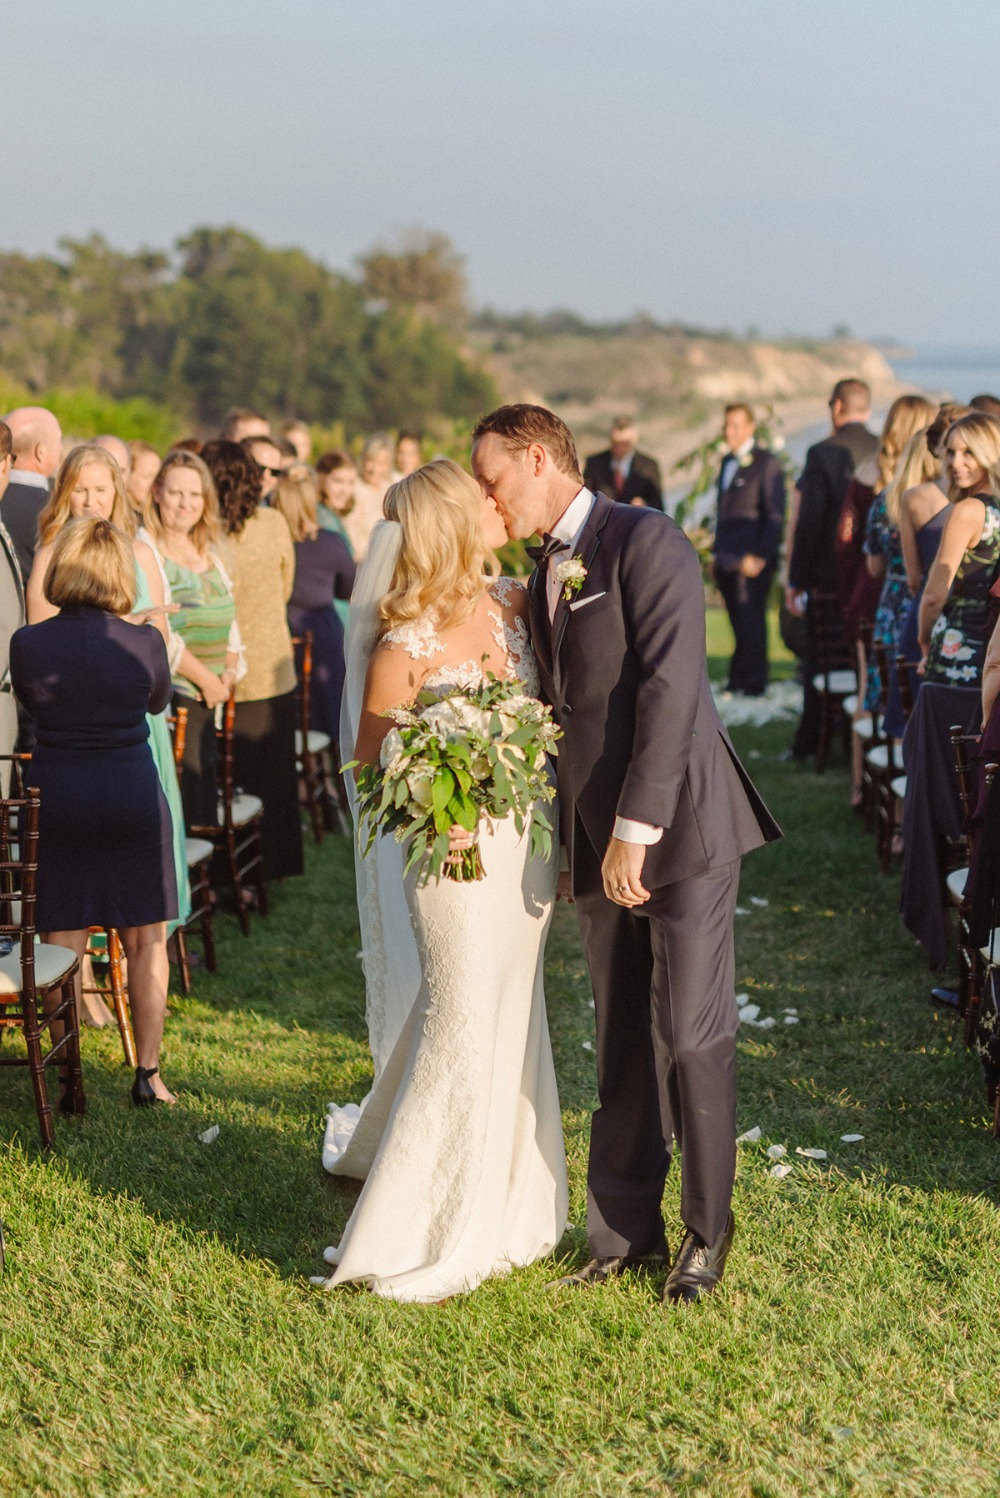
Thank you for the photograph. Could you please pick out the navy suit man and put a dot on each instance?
(37, 444)
(656, 812)
(749, 524)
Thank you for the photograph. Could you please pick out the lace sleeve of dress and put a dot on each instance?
(512, 634)
(420, 640)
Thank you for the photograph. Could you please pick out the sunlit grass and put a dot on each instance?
(159, 1335)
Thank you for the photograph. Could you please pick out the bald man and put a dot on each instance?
(119, 450)
(37, 444)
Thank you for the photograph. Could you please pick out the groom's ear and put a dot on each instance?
(538, 457)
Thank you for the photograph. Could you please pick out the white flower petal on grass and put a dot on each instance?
(791, 1019)
(587, 1046)
(789, 1011)
(781, 1171)
(210, 1135)
(750, 1137)
(810, 1154)
(851, 1138)
(767, 1023)
(776, 1151)
(742, 910)
(748, 1013)
(759, 901)
(742, 998)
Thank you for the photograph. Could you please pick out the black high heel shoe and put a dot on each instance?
(143, 1095)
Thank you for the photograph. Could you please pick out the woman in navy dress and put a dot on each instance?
(88, 678)
(324, 572)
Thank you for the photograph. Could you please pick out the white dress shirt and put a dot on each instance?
(28, 477)
(569, 528)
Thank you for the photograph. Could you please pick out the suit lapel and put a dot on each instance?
(589, 542)
(15, 566)
(538, 612)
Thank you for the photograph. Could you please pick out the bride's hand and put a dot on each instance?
(459, 841)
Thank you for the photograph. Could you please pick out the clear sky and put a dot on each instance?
(786, 164)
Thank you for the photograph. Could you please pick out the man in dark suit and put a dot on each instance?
(656, 812)
(750, 520)
(812, 565)
(623, 473)
(12, 615)
(37, 452)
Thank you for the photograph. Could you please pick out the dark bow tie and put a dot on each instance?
(548, 548)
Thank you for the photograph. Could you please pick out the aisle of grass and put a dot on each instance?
(159, 1335)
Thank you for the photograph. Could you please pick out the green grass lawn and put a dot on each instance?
(159, 1334)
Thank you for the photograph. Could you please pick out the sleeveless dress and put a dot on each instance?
(883, 540)
(928, 539)
(460, 1140)
(203, 621)
(163, 757)
(958, 643)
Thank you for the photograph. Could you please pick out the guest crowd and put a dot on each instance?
(893, 574)
(133, 585)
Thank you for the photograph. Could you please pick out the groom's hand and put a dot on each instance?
(622, 873)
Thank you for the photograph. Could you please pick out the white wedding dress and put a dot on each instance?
(459, 1142)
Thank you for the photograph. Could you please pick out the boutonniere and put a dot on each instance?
(571, 575)
(745, 459)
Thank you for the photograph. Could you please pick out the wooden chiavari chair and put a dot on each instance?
(238, 830)
(837, 678)
(884, 763)
(312, 746)
(971, 969)
(31, 972)
(198, 853)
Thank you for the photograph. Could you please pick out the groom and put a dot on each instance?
(656, 813)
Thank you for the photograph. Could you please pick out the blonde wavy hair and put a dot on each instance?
(906, 415)
(918, 465)
(92, 563)
(296, 495)
(981, 435)
(58, 510)
(444, 564)
(206, 533)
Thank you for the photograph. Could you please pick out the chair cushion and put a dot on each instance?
(245, 808)
(878, 758)
(850, 704)
(863, 727)
(318, 742)
(51, 966)
(196, 850)
(956, 882)
(842, 683)
(899, 787)
(984, 952)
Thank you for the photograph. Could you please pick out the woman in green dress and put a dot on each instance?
(184, 530)
(955, 605)
(336, 475)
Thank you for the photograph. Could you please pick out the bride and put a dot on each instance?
(459, 1143)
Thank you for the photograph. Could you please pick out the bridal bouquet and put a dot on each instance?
(454, 756)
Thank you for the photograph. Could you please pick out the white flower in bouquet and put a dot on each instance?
(450, 760)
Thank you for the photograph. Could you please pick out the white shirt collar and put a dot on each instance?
(743, 450)
(29, 477)
(572, 520)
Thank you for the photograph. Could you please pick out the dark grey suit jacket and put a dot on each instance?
(12, 616)
(828, 470)
(22, 505)
(643, 482)
(751, 513)
(628, 683)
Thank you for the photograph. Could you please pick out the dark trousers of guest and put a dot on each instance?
(264, 766)
(666, 1060)
(746, 604)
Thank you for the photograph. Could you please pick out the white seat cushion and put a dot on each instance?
(863, 727)
(842, 683)
(318, 742)
(956, 882)
(850, 704)
(245, 808)
(196, 850)
(878, 758)
(899, 787)
(984, 952)
(51, 966)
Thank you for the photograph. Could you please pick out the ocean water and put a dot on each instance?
(956, 370)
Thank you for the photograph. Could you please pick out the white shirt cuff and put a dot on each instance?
(627, 831)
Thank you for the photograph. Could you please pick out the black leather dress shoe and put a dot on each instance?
(698, 1268)
(596, 1271)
